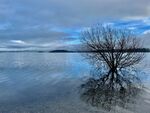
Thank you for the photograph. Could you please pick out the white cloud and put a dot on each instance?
(146, 32)
(18, 42)
(146, 21)
(108, 24)
(131, 28)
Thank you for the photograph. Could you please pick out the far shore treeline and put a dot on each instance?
(81, 51)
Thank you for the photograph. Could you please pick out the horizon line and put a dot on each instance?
(80, 51)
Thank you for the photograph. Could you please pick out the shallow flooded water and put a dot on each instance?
(49, 83)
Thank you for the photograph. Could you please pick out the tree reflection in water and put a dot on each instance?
(99, 91)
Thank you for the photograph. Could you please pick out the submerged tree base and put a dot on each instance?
(97, 93)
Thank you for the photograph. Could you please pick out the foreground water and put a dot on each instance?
(49, 83)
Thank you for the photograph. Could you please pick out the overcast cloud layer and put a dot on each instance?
(57, 23)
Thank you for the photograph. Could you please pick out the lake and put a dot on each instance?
(49, 83)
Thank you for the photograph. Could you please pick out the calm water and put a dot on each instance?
(45, 83)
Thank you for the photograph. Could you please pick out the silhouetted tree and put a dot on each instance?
(117, 83)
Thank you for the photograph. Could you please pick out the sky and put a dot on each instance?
(53, 24)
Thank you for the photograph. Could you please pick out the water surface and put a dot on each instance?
(47, 83)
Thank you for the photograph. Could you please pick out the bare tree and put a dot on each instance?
(106, 46)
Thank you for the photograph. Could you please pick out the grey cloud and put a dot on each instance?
(32, 20)
(32, 34)
(80, 12)
(72, 12)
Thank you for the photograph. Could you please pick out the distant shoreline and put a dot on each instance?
(81, 51)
